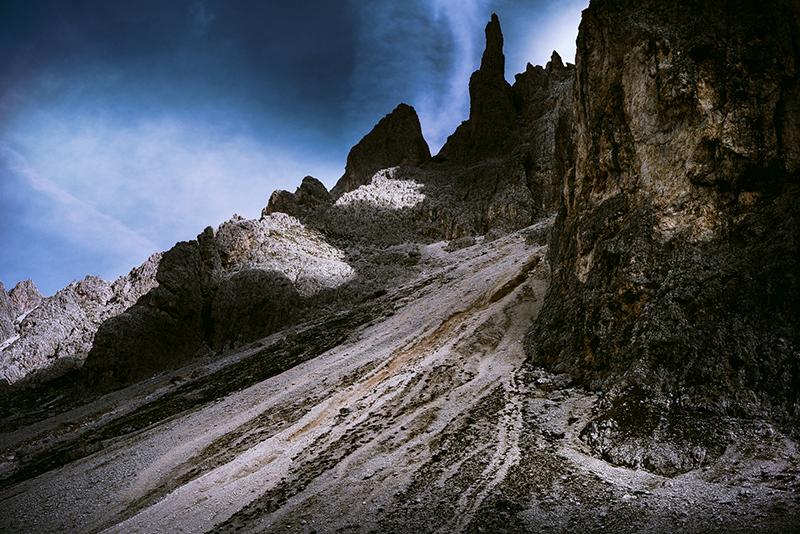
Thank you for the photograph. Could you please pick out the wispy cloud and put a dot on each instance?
(123, 190)
(421, 52)
(74, 219)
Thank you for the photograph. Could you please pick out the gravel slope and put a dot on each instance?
(413, 412)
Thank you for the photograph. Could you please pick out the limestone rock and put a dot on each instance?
(543, 97)
(675, 256)
(6, 315)
(489, 131)
(240, 283)
(164, 327)
(517, 143)
(24, 297)
(396, 140)
(58, 332)
(309, 197)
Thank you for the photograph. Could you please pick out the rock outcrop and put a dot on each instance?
(6, 315)
(309, 197)
(543, 98)
(14, 306)
(24, 297)
(240, 283)
(58, 332)
(396, 140)
(675, 254)
(510, 157)
(492, 124)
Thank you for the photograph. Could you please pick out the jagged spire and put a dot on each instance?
(555, 61)
(493, 62)
(492, 116)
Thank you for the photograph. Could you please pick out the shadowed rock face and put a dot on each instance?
(166, 326)
(517, 142)
(216, 292)
(309, 197)
(395, 140)
(675, 253)
(492, 116)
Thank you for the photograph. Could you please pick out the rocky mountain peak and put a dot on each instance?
(6, 314)
(493, 62)
(492, 116)
(555, 62)
(396, 140)
(25, 296)
(309, 196)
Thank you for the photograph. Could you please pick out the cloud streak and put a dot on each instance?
(74, 219)
(125, 191)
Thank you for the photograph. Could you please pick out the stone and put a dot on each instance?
(492, 116)
(225, 288)
(396, 140)
(311, 196)
(57, 334)
(24, 297)
(674, 254)
(6, 315)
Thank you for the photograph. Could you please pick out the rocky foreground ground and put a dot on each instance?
(423, 416)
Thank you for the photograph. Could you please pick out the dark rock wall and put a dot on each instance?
(308, 198)
(492, 122)
(510, 157)
(676, 267)
(193, 310)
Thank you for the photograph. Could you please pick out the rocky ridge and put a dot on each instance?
(14, 306)
(313, 244)
(396, 140)
(58, 332)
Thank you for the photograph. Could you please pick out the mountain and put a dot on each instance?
(581, 315)
(54, 334)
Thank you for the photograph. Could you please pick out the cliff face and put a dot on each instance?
(6, 315)
(240, 283)
(511, 154)
(675, 266)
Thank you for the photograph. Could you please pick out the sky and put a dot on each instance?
(127, 126)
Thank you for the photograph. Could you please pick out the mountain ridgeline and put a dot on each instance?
(669, 154)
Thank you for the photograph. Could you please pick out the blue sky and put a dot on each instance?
(127, 126)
